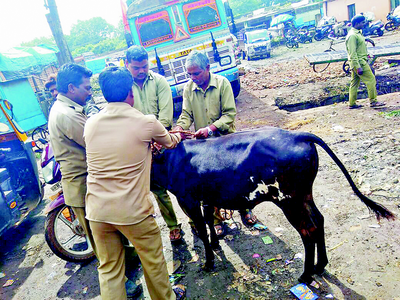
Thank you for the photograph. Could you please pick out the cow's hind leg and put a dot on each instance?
(199, 222)
(309, 222)
(209, 216)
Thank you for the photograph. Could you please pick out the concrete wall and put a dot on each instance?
(338, 8)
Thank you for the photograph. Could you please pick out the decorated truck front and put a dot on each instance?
(170, 30)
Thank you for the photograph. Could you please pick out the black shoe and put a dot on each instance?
(355, 106)
(132, 289)
(377, 104)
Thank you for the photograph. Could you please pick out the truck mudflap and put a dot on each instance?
(231, 74)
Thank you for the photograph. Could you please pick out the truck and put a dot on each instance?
(257, 43)
(170, 30)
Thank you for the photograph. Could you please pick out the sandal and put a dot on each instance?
(179, 291)
(220, 230)
(249, 219)
(175, 235)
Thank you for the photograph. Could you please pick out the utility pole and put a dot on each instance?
(64, 56)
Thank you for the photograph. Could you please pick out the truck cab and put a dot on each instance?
(257, 43)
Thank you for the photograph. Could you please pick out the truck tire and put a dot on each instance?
(236, 87)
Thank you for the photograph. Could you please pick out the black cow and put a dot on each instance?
(243, 169)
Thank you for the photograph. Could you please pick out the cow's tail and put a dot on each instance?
(380, 210)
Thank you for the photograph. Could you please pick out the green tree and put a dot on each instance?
(91, 31)
(38, 41)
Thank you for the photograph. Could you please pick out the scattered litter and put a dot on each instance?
(337, 128)
(173, 266)
(355, 228)
(315, 284)
(267, 240)
(301, 291)
(175, 277)
(260, 226)
(255, 232)
(298, 256)
(278, 257)
(194, 259)
(2, 275)
(233, 226)
(288, 262)
(8, 282)
(364, 217)
(85, 290)
(329, 296)
(337, 246)
(256, 255)
(229, 237)
(374, 226)
(278, 229)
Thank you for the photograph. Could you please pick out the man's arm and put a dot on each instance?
(74, 129)
(165, 103)
(351, 45)
(163, 137)
(228, 107)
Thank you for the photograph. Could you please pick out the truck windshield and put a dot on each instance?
(258, 36)
(154, 29)
(201, 15)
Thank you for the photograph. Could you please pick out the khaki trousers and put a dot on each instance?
(368, 78)
(146, 238)
(80, 213)
(165, 204)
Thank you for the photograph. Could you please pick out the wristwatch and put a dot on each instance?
(210, 132)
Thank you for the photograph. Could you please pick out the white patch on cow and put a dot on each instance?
(262, 188)
(252, 178)
(281, 196)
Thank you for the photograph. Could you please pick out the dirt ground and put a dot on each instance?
(364, 255)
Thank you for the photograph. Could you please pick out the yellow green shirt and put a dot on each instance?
(155, 98)
(356, 49)
(216, 105)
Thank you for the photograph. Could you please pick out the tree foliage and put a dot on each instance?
(244, 7)
(93, 35)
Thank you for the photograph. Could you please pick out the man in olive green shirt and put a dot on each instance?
(153, 97)
(360, 69)
(208, 102)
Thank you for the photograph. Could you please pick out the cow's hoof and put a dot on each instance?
(208, 267)
(216, 247)
(307, 279)
(319, 270)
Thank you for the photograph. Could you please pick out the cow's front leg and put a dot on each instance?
(209, 216)
(309, 248)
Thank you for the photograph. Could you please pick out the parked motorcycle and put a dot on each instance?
(340, 29)
(322, 32)
(291, 41)
(63, 233)
(303, 36)
(375, 28)
(394, 21)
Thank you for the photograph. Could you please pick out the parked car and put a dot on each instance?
(20, 188)
(257, 43)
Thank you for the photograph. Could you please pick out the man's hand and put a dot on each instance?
(177, 129)
(202, 133)
(360, 71)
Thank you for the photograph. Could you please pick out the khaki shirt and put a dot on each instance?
(66, 123)
(356, 49)
(216, 105)
(119, 162)
(155, 98)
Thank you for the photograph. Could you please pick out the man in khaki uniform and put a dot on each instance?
(208, 102)
(153, 96)
(118, 188)
(66, 123)
(360, 69)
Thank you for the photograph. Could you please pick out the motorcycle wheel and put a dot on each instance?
(65, 236)
(390, 26)
(380, 32)
(289, 45)
(318, 37)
